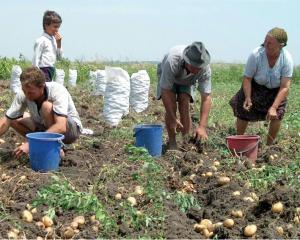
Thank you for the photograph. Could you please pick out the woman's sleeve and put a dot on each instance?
(288, 66)
(251, 66)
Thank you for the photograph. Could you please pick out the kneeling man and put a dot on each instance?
(50, 106)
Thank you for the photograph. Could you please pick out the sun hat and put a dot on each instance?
(280, 35)
(196, 55)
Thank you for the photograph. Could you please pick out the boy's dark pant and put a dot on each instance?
(49, 73)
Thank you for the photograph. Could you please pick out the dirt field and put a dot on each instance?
(100, 165)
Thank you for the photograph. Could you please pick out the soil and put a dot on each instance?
(82, 163)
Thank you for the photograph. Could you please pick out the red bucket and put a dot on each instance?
(243, 145)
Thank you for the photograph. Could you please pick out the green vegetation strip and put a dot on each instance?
(61, 194)
(263, 177)
(151, 179)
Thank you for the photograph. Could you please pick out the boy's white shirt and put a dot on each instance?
(46, 51)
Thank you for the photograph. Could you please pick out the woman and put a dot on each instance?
(266, 84)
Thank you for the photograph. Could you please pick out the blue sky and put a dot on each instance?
(145, 30)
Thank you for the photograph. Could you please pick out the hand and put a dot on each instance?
(176, 125)
(247, 104)
(21, 150)
(58, 38)
(200, 133)
(272, 114)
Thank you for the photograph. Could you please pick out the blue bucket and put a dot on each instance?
(149, 136)
(44, 150)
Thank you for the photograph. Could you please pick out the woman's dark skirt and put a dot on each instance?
(262, 99)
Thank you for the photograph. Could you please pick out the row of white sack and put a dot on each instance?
(119, 90)
(15, 84)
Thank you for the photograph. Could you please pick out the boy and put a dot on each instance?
(50, 106)
(47, 48)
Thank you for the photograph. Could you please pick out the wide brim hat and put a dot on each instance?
(196, 55)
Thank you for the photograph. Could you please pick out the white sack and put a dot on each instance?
(100, 83)
(92, 78)
(139, 91)
(72, 77)
(15, 83)
(116, 97)
(60, 76)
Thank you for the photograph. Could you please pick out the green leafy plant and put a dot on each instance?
(185, 201)
(61, 194)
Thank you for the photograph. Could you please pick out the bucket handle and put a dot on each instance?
(62, 143)
(244, 150)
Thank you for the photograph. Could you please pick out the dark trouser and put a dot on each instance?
(49, 73)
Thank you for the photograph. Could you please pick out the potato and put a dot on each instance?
(28, 206)
(296, 220)
(93, 218)
(275, 155)
(228, 223)
(74, 225)
(12, 235)
(192, 177)
(271, 158)
(237, 213)
(39, 238)
(138, 190)
(33, 211)
(16, 231)
(132, 201)
(216, 163)
(118, 196)
(22, 178)
(277, 207)
(248, 199)
(139, 213)
(199, 227)
(223, 180)
(5, 177)
(250, 230)
(79, 219)
(27, 216)
(214, 168)
(209, 174)
(279, 231)
(40, 225)
(95, 229)
(206, 233)
(236, 193)
(47, 221)
(206, 222)
(254, 196)
(49, 231)
(68, 232)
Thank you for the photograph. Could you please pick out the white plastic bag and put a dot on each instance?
(72, 77)
(60, 76)
(15, 83)
(139, 91)
(100, 83)
(92, 78)
(116, 97)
